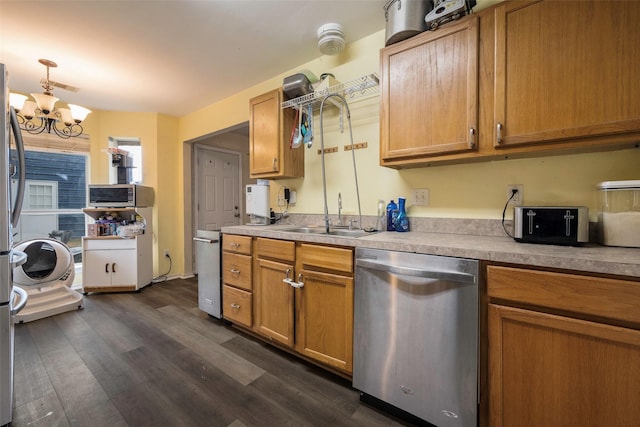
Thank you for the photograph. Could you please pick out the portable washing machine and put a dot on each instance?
(46, 276)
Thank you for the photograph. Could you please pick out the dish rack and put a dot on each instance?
(360, 88)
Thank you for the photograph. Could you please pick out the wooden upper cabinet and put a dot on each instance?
(270, 129)
(429, 94)
(566, 71)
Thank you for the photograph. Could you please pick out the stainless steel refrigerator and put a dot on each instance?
(12, 299)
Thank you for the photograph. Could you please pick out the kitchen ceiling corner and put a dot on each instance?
(171, 57)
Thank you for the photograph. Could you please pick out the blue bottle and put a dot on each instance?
(402, 221)
(392, 210)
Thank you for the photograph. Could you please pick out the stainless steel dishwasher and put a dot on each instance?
(416, 334)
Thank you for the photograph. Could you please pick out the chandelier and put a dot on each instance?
(41, 115)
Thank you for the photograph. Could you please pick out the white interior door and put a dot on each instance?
(218, 188)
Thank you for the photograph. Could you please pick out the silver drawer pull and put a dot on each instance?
(499, 128)
(234, 245)
(235, 306)
(472, 138)
(235, 271)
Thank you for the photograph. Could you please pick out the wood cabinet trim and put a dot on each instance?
(237, 244)
(592, 296)
(326, 258)
(276, 249)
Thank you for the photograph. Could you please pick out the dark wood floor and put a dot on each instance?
(153, 359)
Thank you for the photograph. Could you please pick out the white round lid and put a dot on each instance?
(619, 185)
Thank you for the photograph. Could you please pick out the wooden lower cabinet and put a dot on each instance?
(311, 314)
(561, 368)
(325, 319)
(237, 305)
(237, 279)
(274, 305)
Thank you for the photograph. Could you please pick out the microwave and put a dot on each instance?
(119, 196)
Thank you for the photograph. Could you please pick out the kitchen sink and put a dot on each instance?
(342, 232)
(307, 230)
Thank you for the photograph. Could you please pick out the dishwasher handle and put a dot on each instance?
(201, 239)
(425, 273)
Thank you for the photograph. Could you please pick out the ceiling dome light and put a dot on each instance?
(330, 39)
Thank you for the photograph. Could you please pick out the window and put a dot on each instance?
(55, 193)
(133, 147)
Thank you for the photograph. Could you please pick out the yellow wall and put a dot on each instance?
(158, 137)
(463, 191)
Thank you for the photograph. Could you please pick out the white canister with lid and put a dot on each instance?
(619, 213)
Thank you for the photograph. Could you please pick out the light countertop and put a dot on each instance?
(591, 258)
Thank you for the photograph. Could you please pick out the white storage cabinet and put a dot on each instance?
(116, 264)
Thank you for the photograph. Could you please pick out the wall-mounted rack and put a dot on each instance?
(359, 88)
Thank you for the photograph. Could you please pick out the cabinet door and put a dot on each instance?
(274, 305)
(124, 268)
(547, 370)
(429, 94)
(269, 130)
(264, 134)
(110, 268)
(566, 70)
(324, 325)
(96, 268)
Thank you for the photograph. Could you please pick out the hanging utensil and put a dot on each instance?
(296, 137)
(308, 137)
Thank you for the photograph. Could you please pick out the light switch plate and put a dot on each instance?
(420, 197)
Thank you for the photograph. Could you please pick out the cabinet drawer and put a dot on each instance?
(326, 258)
(276, 249)
(595, 296)
(236, 270)
(108, 243)
(236, 305)
(239, 244)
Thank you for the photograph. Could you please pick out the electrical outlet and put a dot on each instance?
(420, 197)
(166, 253)
(517, 199)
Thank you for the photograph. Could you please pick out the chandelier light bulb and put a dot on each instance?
(17, 100)
(79, 113)
(29, 110)
(65, 116)
(45, 102)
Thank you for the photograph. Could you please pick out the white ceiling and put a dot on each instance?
(172, 57)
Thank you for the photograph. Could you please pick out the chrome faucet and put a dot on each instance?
(345, 106)
(339, 208)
